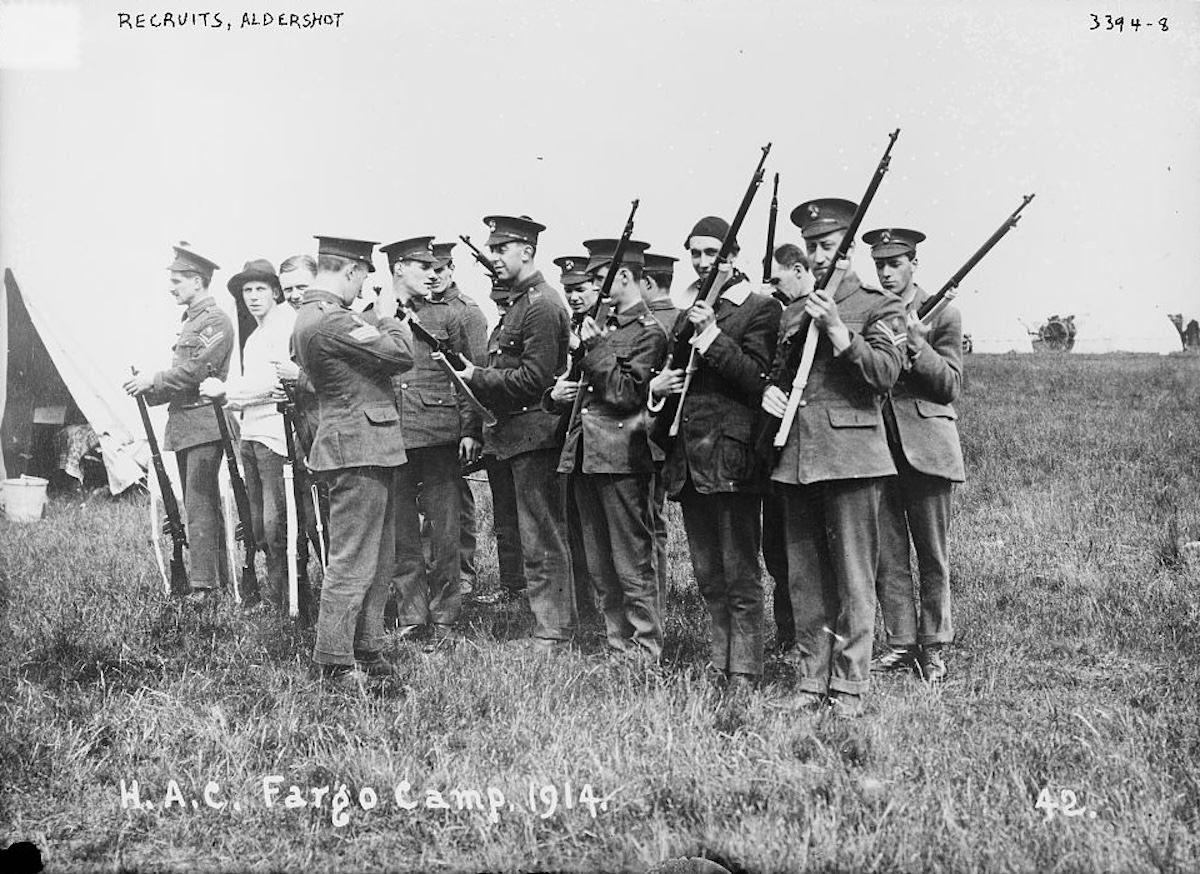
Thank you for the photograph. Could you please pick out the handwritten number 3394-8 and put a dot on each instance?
(1118, 23)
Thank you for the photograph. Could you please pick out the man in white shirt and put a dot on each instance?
(256, 393)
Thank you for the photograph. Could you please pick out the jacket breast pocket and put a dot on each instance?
(930, 410)
(851, 418)
(435, 399)
(381, 415)
(188, 348)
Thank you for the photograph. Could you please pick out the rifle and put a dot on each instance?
(247, 593)
(451, 362)
(799, 357)
(497, 285)
(173, 524)
(769, 257)
(929, 310)
(684, 353)
(297, 547)
(600, 309)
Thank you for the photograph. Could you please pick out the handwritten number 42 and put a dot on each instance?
(1064, 804)
(1118, 23)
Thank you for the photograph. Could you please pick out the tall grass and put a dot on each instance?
(1076, 668)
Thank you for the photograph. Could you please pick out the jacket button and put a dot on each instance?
(620, 424)
(404, 385)
(590, 388)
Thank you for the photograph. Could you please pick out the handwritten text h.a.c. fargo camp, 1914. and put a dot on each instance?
(341, 801)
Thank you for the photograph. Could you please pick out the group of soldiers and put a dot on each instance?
(586, 421)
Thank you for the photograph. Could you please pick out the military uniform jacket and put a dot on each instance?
(714, 444)
(526, 352)
(665, 311)
(205, 340)
(350, 362)
(474, 321)
(432, 410)
(921, 404)
(839, 432)
(612, 420)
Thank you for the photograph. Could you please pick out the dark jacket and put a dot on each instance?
(432, 410)
(713, 447)
(838, 433)
(350, 359)
(921, 403)
(612, 420)
(526, 353)
(205, 340)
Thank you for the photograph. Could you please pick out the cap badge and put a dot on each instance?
(885, 237)
(491, 225)
(813, 210)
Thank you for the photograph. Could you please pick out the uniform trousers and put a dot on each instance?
(917, 504)
(362, 522)
(529, 493)
(509, 555)
(723, 539)
(431, 480)
(262, 469)
(585, 589)
(208, 562)
(658, 521)
(618, 540)
(467, 533)
(832, 531)
(774, 552)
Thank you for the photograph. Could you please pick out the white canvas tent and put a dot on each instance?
(42, 376)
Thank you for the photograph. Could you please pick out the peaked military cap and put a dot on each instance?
(354, 250)
(711, 226)
(816, 218)
(187, 261)
(508, 229)
(889, 242)
(574, 269)
(601, 252)
(412, 249)
(659, 263)
(258, 270)
(442, 252)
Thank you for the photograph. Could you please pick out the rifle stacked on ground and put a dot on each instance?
(599, 311)
(173, 524)
(929, 310)
(294, 490)
(800, 356)
(683, 353)
(247, 591)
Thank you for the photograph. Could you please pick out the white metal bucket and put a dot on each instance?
(23, 499)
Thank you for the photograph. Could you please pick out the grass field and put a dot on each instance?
(1075, 680)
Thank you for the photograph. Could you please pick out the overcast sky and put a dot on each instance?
(418, 118)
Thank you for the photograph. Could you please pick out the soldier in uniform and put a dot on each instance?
(350, 359)
(581, 291)
(831, 469)
(657, 275)
(447, 293)
(440, 429)
(920, 421)
(205, 341)
(607, 452)
(790, 280)
(710, 468)
(526, 352)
